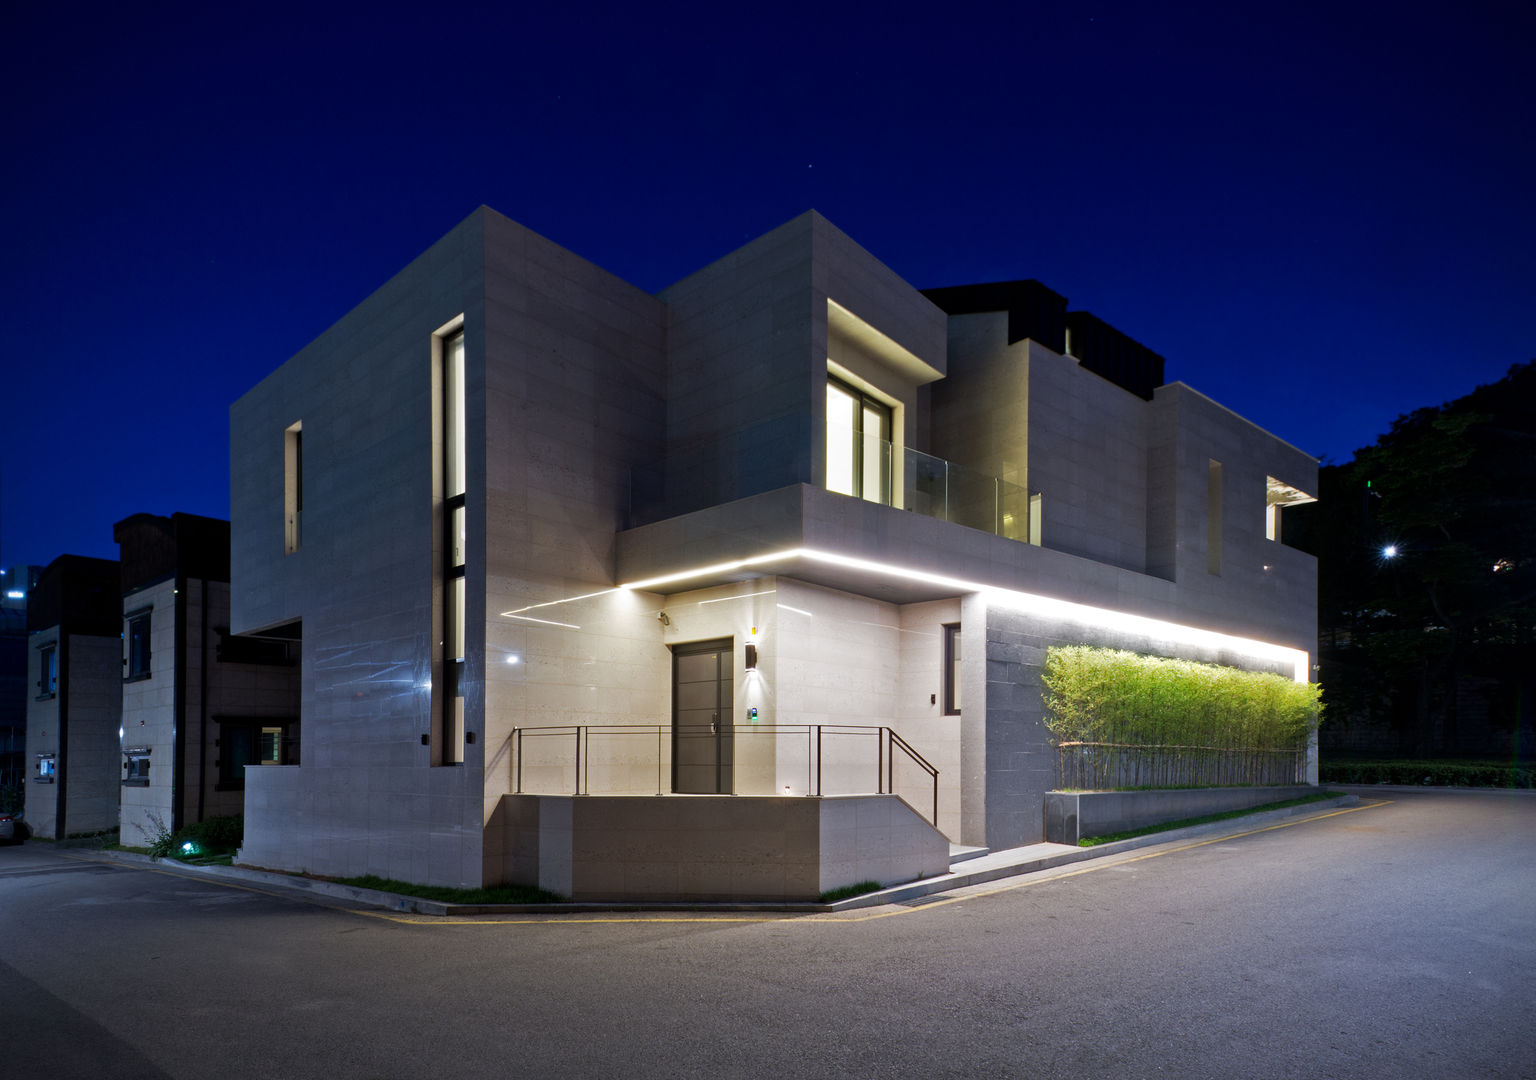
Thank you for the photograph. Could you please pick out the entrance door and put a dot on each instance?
(701, 717)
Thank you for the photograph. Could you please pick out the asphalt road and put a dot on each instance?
(1394, 941)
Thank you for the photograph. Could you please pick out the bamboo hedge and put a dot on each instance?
(1098, 695)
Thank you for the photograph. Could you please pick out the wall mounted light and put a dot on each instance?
(751, 657)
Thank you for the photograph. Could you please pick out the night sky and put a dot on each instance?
(1323, 216)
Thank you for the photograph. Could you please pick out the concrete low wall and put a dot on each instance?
(711, 847)
(1070, 816)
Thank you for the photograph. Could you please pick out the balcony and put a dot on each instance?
(776, 454)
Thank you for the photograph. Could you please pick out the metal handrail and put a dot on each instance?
(888, 743)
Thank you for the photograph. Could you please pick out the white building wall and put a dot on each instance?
(366, 798)
(149, 717)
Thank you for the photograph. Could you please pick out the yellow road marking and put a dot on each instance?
(555, 919)
(1091, 867)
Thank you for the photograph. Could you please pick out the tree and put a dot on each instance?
(1426, 545)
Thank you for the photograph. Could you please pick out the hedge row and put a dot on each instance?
(1111, 696)
(1431, 773)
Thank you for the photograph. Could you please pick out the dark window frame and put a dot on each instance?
(864, 399)
(139, 661)
(48, 671)
(231, 774)
(136, 766)
(952, 643)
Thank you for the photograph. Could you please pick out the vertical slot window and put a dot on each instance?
(293, 487)
(455, 548)
(952, 669)
(1213, 517)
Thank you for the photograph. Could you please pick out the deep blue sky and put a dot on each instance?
(1321, 215)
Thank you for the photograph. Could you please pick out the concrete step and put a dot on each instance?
(960, 853)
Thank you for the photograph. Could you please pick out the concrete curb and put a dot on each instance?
(314, 888)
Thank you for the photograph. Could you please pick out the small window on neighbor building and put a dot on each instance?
(952, 669)
(48, 680)
(247, 743)
(136, 766)
(137, 641)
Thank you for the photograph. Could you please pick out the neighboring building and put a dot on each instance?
(74, 673)
(16, 584)
(758, 534)
(199, 704)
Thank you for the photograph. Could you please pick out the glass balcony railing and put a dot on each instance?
(941, 489)
(776, 454)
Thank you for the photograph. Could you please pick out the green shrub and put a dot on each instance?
(161, 841)
(215, 833)
(1109, 696)
(846, 892)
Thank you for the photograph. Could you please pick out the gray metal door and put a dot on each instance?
(701, 717)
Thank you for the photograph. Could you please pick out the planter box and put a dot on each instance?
(1070, 816)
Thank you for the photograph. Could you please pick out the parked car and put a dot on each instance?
(12, 829)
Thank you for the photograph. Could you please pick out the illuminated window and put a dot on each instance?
(245, 743)
(293, 486)
(455, 542)
(136, 640)
(858, 444)
(1278, 495)
(952, 669)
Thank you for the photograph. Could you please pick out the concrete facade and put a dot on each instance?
(647, 475)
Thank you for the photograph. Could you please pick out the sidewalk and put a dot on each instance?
(965, 870)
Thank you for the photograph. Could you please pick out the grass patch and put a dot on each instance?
(1109, 838)
(496, 894)
(1489, 774)
(858, 888)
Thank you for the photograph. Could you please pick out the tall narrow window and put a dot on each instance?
(1213, 518)
(136, 638)
(858, 444)
(48, 683)
(952, 669)
(454, 544)
(293, 486)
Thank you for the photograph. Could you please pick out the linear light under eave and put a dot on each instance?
(1084, 613)
(1087, 614)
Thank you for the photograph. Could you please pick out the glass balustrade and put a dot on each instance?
(856, 464)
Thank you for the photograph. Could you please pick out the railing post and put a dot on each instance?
(818, 760)
(517, 760)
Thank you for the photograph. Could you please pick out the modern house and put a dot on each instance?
(198, 703)
(786, 542)
(74, 673)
